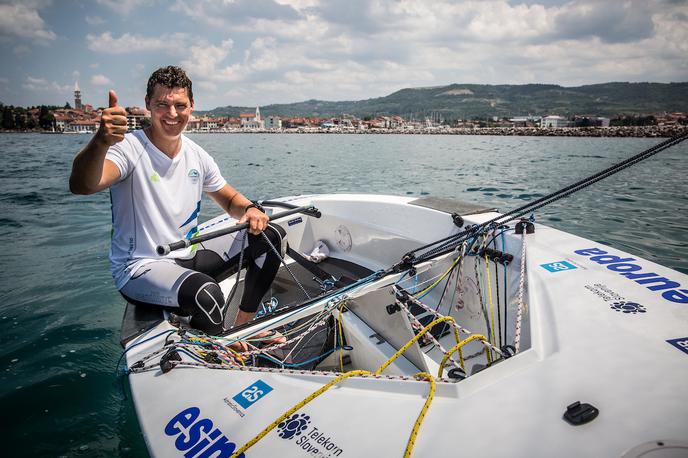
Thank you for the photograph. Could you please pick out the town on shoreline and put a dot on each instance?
(84, 119)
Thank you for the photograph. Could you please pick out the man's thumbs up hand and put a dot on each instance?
(113, 99)
(113, 122)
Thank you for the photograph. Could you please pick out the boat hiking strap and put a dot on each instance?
(448, 244)
(414, 431)
(326, 280)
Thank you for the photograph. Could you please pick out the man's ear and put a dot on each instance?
(147, 103)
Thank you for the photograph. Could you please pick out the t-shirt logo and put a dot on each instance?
(193, 174)
(155, 177)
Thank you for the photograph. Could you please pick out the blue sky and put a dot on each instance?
(257, 52)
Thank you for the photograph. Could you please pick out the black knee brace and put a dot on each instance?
(201, 297)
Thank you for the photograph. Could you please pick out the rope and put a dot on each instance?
(461, 344)
(279, 255)
(489, 296)
(421, 416)
(341, 337)
(300, 404)
(418, 326)
(521, 287)
(414, 340)
(455, 324)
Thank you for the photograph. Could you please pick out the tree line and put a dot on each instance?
(20, 118)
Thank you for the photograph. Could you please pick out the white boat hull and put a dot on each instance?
(597, 328)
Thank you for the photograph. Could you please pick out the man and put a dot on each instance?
(156, 178)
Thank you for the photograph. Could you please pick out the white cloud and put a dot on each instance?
(275, 51)
(232, 13)
(101, 80)
(42, 84)
(23, 21)
(131, 43)
(205, 62)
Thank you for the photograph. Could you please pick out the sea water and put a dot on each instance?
(60, 314)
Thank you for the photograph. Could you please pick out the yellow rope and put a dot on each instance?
(341, 337)
(439, 279)
(489, 295)
(238, 356)
(458, 347)
(421, 415)
(424, 375)
(302, 403)
(415, 339)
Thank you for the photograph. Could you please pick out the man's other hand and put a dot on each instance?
(256, 219)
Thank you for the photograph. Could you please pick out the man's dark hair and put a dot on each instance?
(170, 77)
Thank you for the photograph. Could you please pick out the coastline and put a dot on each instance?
(626, 131)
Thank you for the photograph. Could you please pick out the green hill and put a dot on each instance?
(482, 100)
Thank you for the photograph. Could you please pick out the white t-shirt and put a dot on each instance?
(156, 201)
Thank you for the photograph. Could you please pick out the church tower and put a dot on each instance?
(77, 97)
(258, 114)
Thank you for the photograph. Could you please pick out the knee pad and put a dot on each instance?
(201, 297)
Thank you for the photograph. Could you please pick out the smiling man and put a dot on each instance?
(156, 178)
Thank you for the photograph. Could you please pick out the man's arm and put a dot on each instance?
(91, 172)
(234, 203)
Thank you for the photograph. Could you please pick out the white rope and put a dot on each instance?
(453, 323)
(521, 287)
(418, 325)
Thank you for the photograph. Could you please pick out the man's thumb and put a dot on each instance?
(113, 99)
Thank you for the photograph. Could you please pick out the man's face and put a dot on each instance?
(170, 110)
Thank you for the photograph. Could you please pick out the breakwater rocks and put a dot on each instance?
(644, 131)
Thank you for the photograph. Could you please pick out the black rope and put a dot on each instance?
(448, 244)
(499, 309)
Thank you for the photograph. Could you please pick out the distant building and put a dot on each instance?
(208, 124)
(77, 97)
(252, 121)
(61, 121)
(273, 123)
(525, 121)
(554, 121)
(193, 125)
(83, 126)
(134, 117)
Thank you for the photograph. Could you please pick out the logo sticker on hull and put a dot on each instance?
(558, 266)
(252, 394)
(680, 343)
(197, 436)
(628, 307)
(295, 221)
(636, 271)
(299, 429)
